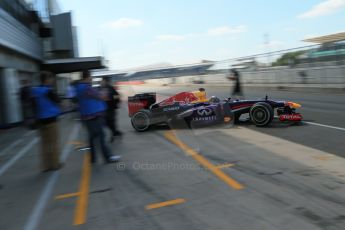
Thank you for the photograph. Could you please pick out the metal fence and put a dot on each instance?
(306, 56)
(324, 64)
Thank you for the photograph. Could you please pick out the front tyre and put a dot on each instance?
(261, 114)
(141, 121)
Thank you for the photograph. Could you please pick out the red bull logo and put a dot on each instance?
(182, 98)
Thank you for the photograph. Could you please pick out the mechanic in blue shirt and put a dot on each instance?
(92, 108)
(47, 111)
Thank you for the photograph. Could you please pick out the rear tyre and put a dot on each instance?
(261, 114)
(141, 120)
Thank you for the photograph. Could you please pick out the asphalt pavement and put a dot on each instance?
(279, 177)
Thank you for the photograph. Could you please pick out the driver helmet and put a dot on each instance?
(214, 99)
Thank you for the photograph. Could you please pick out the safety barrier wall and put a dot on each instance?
(316, 75)
(326, 76)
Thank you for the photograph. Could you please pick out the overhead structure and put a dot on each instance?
(161, 72)
(337, 37)
(69, 65)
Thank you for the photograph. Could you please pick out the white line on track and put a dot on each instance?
(325, 126)
(21, 153)
(28, 133)
(45, 195)
(321, 125)
(13, 144)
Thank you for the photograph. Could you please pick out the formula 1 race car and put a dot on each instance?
(196, 111)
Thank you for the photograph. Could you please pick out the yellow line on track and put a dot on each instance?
(80, 211)
(203, 161)
(76, 143)
(69, 195)
(224, 166)
(324, 157)
(164, 204)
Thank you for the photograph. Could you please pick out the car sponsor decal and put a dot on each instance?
(290, 117)
(208, 118)
(174, 108)
(181, 98)
(241, 106)
(138, 104)
(204, 112)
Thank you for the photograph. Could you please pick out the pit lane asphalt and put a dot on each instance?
(321, 108)
(285, 185)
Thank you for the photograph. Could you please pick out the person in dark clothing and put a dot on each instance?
(47, 111)
(25, 91)
(303, 75)
(237, 90)
(92, 107)
(112, 100)
(27, 103)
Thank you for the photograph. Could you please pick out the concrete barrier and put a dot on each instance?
(315, 79)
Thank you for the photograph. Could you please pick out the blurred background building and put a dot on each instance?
(35, 35)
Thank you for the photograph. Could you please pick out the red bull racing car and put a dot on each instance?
(196, 110)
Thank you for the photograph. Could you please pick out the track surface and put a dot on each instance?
(280, 177)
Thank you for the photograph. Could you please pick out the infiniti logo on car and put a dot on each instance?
(204, 111)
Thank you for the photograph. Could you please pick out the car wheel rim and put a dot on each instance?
(140, 121)
(260, 115)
